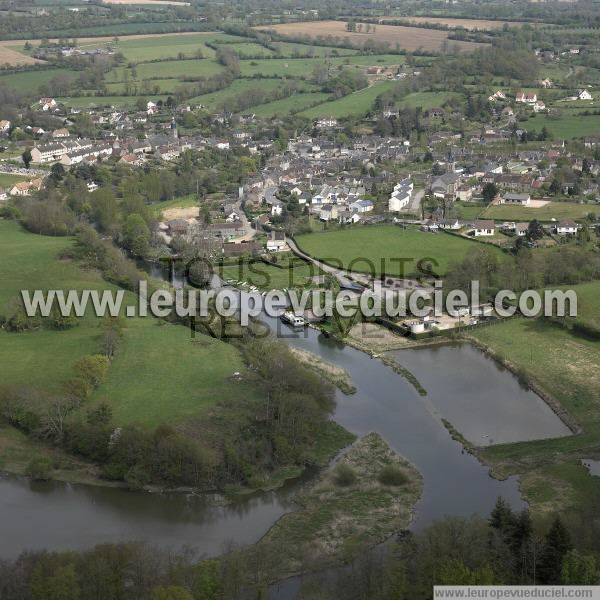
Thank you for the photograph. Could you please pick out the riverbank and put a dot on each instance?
(365, 497)
(562, 368)
(335, 375)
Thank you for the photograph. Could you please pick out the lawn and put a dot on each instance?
(565, 367)
(353, 105)
(181, 202)
(7, 180)
(268, 277)
(158, 374)
(567, 126)
(554, 210)
(380, 248)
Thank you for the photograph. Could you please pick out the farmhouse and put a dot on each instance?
(4, 126)
(483, 228)
(584, 95)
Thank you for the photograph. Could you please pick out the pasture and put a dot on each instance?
(293, 104)
(386, 248)
(175, 376)
(552, 210)
(569, 125)
(353, 105)
(406, 38)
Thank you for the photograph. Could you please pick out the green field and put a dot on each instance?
(167, 69)
(302, 67)
(239, 87)
(353, 105)
(554, 210)
(289, 49)
(268, 277)
(169, 46)
(30, 81)
(175, 377)
(383, 245)
(294, 103)
(7, 180)
(567, 126)
(426, 100)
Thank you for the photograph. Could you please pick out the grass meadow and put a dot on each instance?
(382, 245)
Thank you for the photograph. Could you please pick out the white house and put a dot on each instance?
(4, 126)
(400, 196)
(276, 243)
(566, 227)
(276, 208)
(483, 228)
(497, 95)
(526, 97)
(584, 95)
(47, 103)
(361, 206)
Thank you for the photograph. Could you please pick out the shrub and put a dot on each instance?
(344, 475)
(92, 369)
(39, 469)
(392, 475)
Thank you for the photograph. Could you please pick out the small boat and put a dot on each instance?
(294, 320)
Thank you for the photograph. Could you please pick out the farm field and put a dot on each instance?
(565, 366)
(567, 126)
(30, 81)
(216, 100)
(553, 210)
(382, 246)
(471, 24)
(13, 57)
(426, 100)
(293, 104)
(302, 67)
(167, 69)
(45, 358)
(149, 2)
(407, 38)
(290, 49)
(355, 104)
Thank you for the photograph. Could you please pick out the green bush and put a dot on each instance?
(392, 475)
(344, 475)
(39, 469)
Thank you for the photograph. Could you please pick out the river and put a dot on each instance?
(465, 387)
